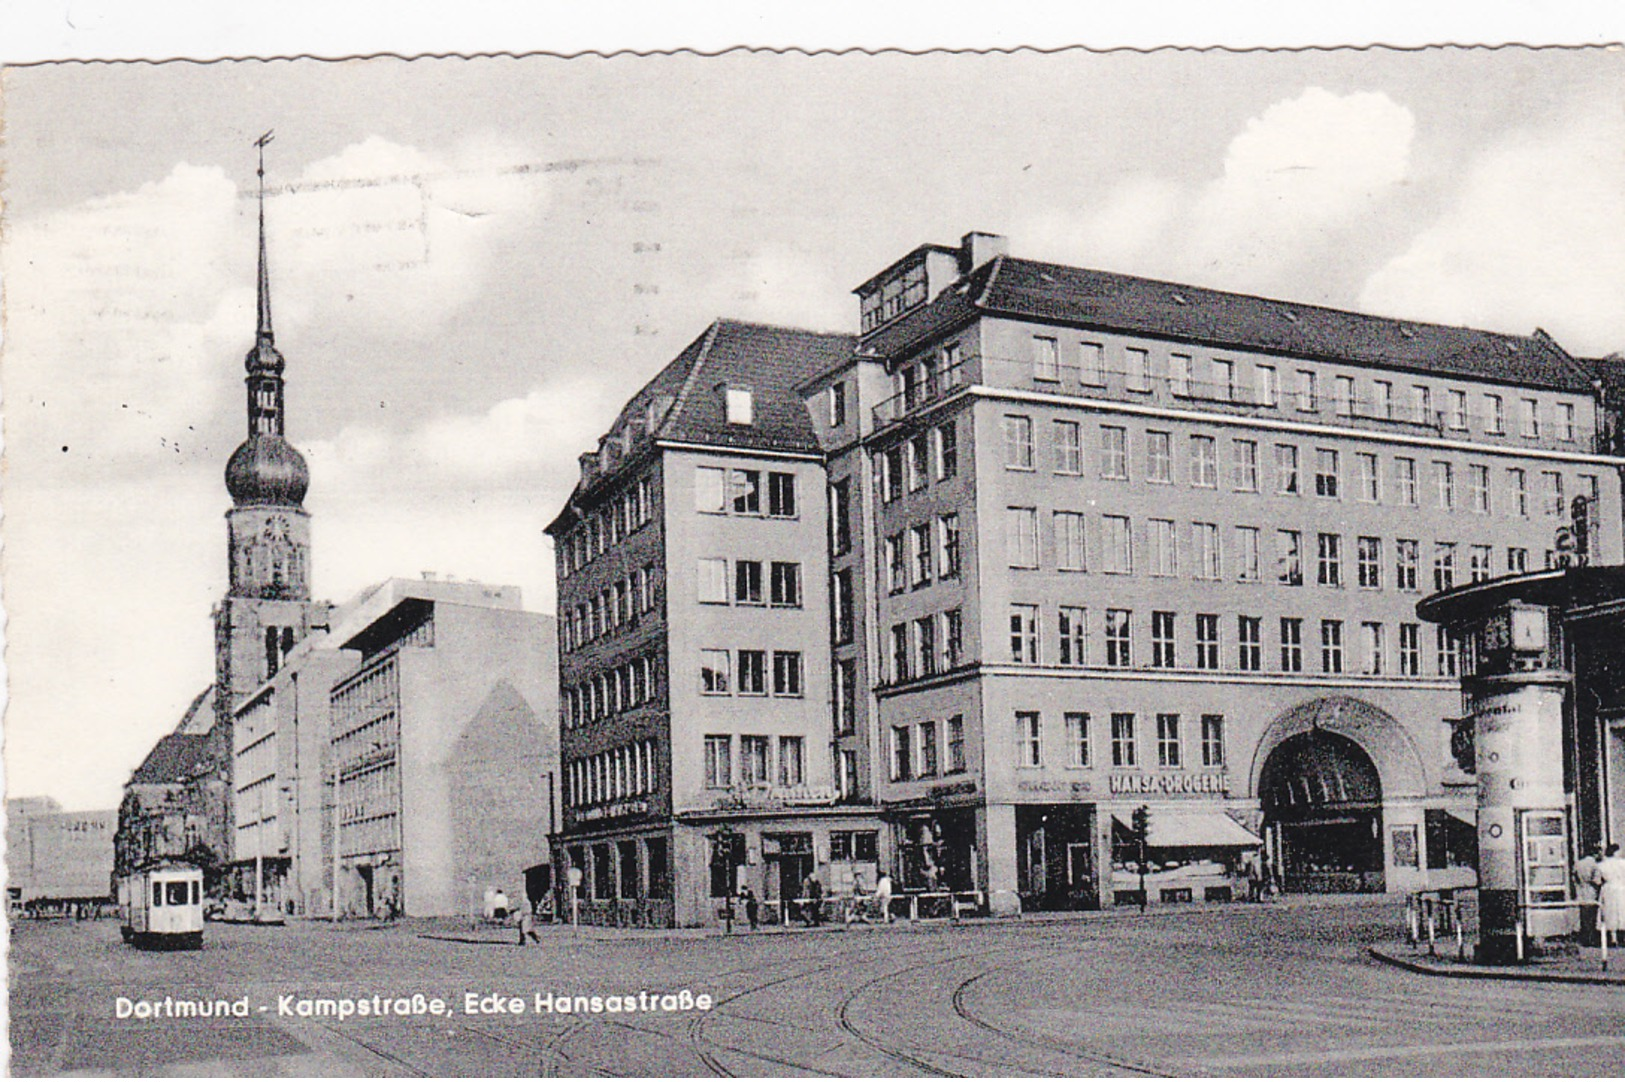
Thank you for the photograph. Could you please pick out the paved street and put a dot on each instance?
(1280, 989)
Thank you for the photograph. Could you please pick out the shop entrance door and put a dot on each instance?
(1321, 791)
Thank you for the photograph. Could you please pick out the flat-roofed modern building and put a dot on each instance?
(1103, 542)
(694, 664)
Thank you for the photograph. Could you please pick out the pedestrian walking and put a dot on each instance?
(1255, 876)
(527, 926)
(752, 908)
(1585, 891)
(813, 890)
(1611, 894)
(883, 897)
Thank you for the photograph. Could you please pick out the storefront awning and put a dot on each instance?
(1176, 830)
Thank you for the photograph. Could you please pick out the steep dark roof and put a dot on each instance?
(1027, 289)
(175, 758)
(771, 361)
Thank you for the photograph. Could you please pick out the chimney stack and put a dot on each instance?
(978, 248)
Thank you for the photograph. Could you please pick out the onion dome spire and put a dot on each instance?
(265, 469)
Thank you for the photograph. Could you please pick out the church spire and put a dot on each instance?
(263, 333)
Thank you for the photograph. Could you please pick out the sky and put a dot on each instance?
(475, 262)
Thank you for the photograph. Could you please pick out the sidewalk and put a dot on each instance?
(1582, 968)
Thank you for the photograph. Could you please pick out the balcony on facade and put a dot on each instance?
(929, 386)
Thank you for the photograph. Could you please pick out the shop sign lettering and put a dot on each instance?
(1037, 786)
(613, 811)
(1168, 784)
(953, 788)
(767, 796)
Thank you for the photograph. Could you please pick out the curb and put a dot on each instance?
(1467, 971)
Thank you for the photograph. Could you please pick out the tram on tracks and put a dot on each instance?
(162, 907)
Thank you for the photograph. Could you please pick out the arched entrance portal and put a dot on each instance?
(1322, 802)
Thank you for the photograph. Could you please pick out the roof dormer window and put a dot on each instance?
(739, 405)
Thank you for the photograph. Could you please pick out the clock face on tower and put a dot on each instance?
(268, 560)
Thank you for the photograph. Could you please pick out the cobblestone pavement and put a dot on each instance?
(1278, 989)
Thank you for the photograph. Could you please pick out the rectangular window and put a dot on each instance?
(1368, 556)
(1405, 481)
(1159, 458)
(952, 639)
(844, 673)
(1326, 472)
(1249, 643)
(1092, 361)
(1077, 739)
(956, 744)
(1018, 442)
(1444, 483)
(1291, 644)
(1207, 640)
(1021, 540)
(1139, 368)
(1266, 390)
(781, 495)
(1529, 413)
(920, 559)
(1410, 650)
(844, 605)
(1204, 462)
(1445, 651)
(1565, 421)
(785, 585)
(1113, 453)
(719, 773)
(792, 761)
(1224, 380)
(947, 546)
(714, 672)
(1479, 558)
(711, 579)
(1244, 465)
(1308, 398)
(1331, 646)
(746, 486)
(1168, 750)
(902, 752)
(1068, 447)
(755, 755)
(917, 452)
(1179, 375)
(1552, 493)
(840, 517)
(748, 582)
(1162, 641)
(1407, 558)
(1478, 488)
(710, 485)
(925, 645)
(945, 450)
(1119, 642)
(1373, 648)
(1124, 752)
(1495, 419)
(1518, 480)
(752, 672)
(1024, 634)
(1074, 635)
(1343, 396)
(1329, 563)
(1444, 565)
(787, 673)
(1246, 555)
(1029, 739)
(1212, 740)
(1456, 409)
(1117, 552)
(1422, 404)
(1382, 400)
(837, 405)
(1286, 469)
(900, 655)
(1289, 557)
(739, 405)
(1205, 536)
(1517, 561)
(929, 765)
(889, 474)
(1069, 542)
(1046, 359)
(1164, 554)
(1370, 483)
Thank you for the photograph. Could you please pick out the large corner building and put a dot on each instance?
(1036, 548)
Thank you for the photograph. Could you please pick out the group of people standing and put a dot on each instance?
(1600, 876)
(864, 907)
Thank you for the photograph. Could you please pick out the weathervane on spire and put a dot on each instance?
(264, 330)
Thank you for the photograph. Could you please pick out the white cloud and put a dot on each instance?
(1531, 238)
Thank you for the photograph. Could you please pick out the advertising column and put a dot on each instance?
(1517, 709)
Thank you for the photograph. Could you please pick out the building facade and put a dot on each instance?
(174, 804)
(694, 670)
(441, 750)
(59, 857)
(1136, 543)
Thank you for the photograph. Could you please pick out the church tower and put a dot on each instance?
(267, 607)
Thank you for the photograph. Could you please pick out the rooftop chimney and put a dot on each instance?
(978, 248)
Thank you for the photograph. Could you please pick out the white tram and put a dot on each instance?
(162, 907)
